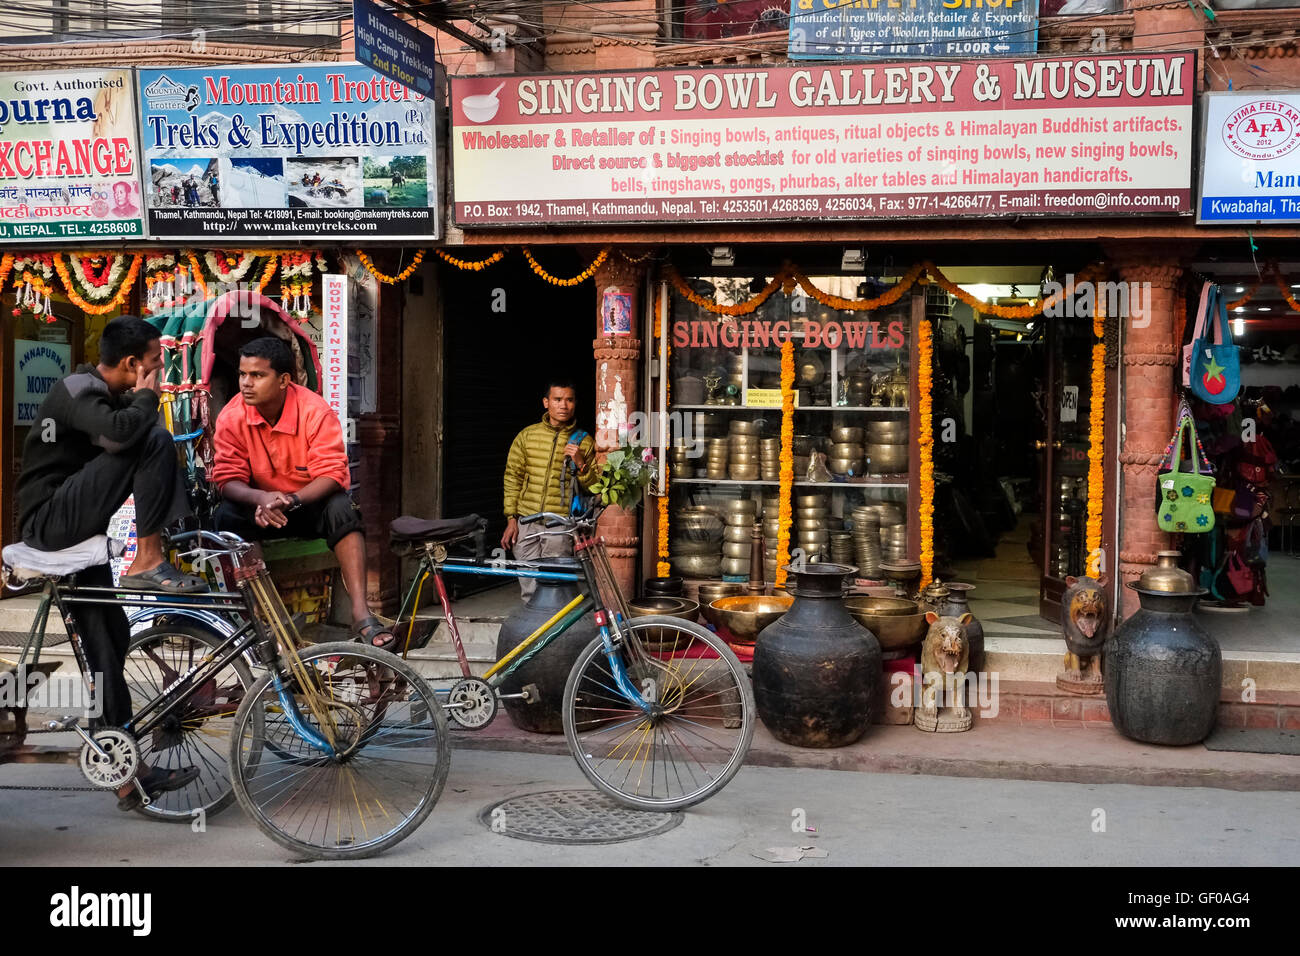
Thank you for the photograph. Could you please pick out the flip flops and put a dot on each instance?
(368, 628)
(165, 577)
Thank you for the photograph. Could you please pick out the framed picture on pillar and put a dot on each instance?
(616, 312)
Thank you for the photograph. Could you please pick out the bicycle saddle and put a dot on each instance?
(28, 563)
(409, 528)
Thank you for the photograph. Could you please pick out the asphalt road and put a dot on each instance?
(860, 819)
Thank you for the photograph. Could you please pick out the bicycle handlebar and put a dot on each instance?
(224, 539)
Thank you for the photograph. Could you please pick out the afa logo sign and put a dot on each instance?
(1262, 130)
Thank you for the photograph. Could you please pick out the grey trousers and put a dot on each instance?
(532, 545)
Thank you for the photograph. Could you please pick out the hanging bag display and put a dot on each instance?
(1222, 499)
(1186, 504)
(1239, 574)
(1215, 373)
(1207, 291)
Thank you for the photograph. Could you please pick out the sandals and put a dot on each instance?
(165, 577)
(369, 628)
(157, 781)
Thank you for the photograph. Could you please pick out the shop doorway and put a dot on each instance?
(506, 334)
(1014, 395)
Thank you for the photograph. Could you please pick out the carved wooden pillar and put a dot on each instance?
(1152, 350)
(618, 360)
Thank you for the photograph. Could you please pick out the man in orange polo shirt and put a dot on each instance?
(282, 471)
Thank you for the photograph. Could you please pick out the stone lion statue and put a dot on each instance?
(1085, 622)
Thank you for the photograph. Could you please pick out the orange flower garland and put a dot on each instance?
(387, 279)
(1286, 292)
(89, 307)
(741, 308)
(471, 266)
(196, 273)
(1096, 443)
(887, 298)
(786, 475)
(268, 273)
(580, 278)
(663, 567)
(925, 441)
(6, 266)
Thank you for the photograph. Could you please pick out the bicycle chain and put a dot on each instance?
(18, 786)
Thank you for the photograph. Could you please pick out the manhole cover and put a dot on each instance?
(573, 816)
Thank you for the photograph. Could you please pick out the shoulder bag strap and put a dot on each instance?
(1209, 293)
(1177, 456)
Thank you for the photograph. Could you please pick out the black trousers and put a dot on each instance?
(81, 508)
(332, 518)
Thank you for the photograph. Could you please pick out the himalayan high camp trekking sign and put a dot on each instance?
(68, 163)
(315, 152)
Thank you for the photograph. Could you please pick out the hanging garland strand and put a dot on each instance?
(663, 569)
(467, 266)
(90, 308)
(925, 442)
(1096, 441)
(786, 475)
(387, 279)
(580, 278)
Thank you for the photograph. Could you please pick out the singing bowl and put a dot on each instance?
(743, 473)
(684, 548)
(845, 466)
(697, 565)
(745, 615)
(711, 591)
(803, 445)
(888, 433)
(718, 445)
(741, 427)
(736, 549)
(741, 506)
(810, 501)
(887, 459)
(846, 450)
(811, 512)
(697, 523)
(735, 567)
(848, 433)
(745, 458)
(890, 513)
(896, 623)
(737, 534)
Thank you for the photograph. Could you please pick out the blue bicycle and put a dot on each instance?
(657, 711)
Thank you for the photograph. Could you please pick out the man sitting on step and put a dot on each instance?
(282, 470)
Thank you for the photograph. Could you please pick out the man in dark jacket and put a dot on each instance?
(94, 443)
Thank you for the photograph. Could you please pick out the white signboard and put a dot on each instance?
(1252, 145)
(1070, 403)
(1059, 136)
(37, 366)
(334, 354)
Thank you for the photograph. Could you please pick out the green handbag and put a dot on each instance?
(1186, 497)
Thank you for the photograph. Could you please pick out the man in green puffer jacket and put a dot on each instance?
(534, 478)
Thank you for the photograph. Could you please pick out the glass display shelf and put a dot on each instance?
(803, 484)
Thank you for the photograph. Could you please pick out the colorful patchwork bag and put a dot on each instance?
(1215, 375)
(1186, 496)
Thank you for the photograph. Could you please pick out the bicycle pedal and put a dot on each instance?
(531, 694)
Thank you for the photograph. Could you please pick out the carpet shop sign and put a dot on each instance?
(1097, 135)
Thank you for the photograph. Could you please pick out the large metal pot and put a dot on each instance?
(817, 671)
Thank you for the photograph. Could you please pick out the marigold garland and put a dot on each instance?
(663, 566)
(885, 299)
(123, 290)
(6, 266)
(196, 272)
(925, 442)
(468, 266)
(1284, 288)
(268, 273)
(742, 308)
(580, 278)
(1096, 443)
(387, 279)
(786, 475)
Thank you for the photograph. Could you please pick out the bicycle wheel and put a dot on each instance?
(697, 734)
(389, 770)
(196, 734)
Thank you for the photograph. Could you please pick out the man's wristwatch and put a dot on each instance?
(294, 502)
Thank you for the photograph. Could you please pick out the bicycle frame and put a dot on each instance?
(610, 609)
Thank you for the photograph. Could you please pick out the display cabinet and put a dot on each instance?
(853, 497)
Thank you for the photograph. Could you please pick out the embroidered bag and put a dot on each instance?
(1185, 495)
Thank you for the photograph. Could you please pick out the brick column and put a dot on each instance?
(1152, 350)
(618, 361)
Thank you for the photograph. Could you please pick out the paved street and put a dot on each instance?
(860, 818)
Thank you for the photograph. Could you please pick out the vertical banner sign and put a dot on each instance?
(334, 309)
(68, 163)
(393, 47)
(317, 152)
(37, 367)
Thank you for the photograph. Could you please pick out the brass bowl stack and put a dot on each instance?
(681, 464)
(743, 450)
(717, 459)
(859, 388)
(842, 551)
(846, 458)
(866, 540)
(694, 546)
(893, 543)
(812, 527)
(770, 458)
(740, 519)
